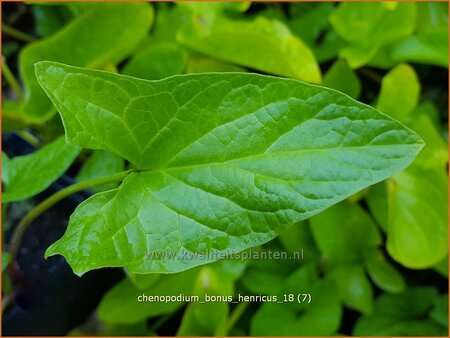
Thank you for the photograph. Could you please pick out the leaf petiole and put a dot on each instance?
(52, 200)
(235, 316)
(10, 78)
(16, 33)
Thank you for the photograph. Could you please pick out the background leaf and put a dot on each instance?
(157, 61)
(321, 317)
(341, 77)
(102, 36)
(401, 314)
(33, 173)
(121, 306)
(400, 91)
(354, 288)
(344, 234)
(209, 318)
(369, 26)
(244, 42)
(420, 220)
(101, 163)
(383, 274)
(6, 259)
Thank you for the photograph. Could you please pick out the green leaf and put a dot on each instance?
(377, 202)
(400, 92)
(168, 21)
(357, 56)
(231, 268)
(7, 169)
(341, 77)
(354, 288)
(370, 25)
(430, 44)
(199, 64)
(439, 313)
(344, 233)
(356, 22)
(6, 259)
(304, 277)
(209, 318)
(308, 20)
(299, 237)
(413, 302)
(101, 163)
(426, 48)
(418, 227)
(12, 119)
(267, 275)
(157, 61)
(401, 315)
(246, 43)
(383, 274)
(50, 19)
(432, 17)
(388, 326)
(434, 154)
(429, 109)
(216, 7)
(329, 48)
(139, 329)
(33, 173)
(223, 161)
(265, 282)
(142, 281)
(79, 8)
(121, 305)
(442, 267)
(92, 40)
(320, 318)
(382, 58)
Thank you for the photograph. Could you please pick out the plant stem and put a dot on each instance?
(235, 316)
(51, 201)
(9, 76)
(29, 137)
(16, 33)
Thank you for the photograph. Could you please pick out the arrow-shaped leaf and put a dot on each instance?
(223, 162)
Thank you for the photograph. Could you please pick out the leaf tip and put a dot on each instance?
(54, 250)
(51, 251)
(48, 69)
(41, 66)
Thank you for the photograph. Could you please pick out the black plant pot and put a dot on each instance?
(50, 299)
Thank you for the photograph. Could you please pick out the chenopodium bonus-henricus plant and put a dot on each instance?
(220, 162)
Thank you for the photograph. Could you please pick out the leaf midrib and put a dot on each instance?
(187, 166)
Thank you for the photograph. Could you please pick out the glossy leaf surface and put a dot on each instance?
(223, 161)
